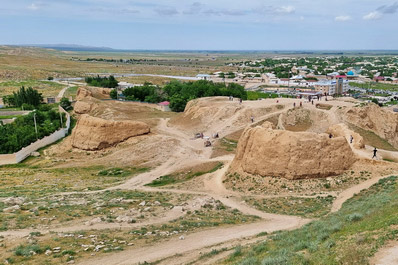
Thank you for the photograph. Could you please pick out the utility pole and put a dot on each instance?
(34, 118)
(60, 115)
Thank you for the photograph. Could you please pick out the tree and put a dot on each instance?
(113, 94)
(108, 82)
(178, 103)
(9, 100)
(27, 96)
(65, 103)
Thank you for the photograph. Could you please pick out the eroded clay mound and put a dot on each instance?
(83, 93)
(293, 155)
(93, 133)
(218, 112)
(381, 121)
(343, 130)
(84, 107)
(300, 120)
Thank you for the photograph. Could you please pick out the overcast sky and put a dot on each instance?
(203, 24)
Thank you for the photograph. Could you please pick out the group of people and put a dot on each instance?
(231, 98)
(207, 141)
(352, 140)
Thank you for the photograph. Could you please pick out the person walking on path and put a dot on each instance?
(301, 104)
(294, 105)
(252, 119)
(351, 139)
(374, 153)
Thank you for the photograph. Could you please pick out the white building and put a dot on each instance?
(203, 77)
(332, 87)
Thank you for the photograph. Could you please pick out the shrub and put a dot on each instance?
(65, 104)
(29, 250)
(109, 82)
(354, 217)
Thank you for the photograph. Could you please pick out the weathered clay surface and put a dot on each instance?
(293, 155)
(381, 121)
(93, 133)
(343, 130)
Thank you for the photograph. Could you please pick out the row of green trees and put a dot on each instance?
(146, 93)
(28, 98)
(109, 82)
(179, 93)
(22, 133)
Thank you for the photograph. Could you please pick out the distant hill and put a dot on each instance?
(70, 47)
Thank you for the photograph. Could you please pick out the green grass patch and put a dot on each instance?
(71, 92)
(307, 207)
(182, 176)
(350, 236)
(8, 117)
(377, 86)
(372, 139)
(228, 144)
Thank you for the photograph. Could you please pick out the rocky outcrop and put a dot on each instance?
(83, 93)
(293, 155)
(84, 107)
(343, 131)
(93, 133)
(371, 117)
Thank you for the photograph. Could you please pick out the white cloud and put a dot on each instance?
(342, 18)
(373, 15)
(166, 11)
(285, 9)
(33, 6)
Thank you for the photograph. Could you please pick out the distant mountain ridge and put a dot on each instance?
(68, 47)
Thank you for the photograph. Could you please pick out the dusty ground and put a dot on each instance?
(105, 211)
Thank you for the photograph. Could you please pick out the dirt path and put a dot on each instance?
(350, 192)
(168, 216)
(189, 152)
(271, 223)
(191, 242)
(62, 92)
(386, 256)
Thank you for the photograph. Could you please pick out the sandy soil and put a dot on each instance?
(171, 148)
(386, 256)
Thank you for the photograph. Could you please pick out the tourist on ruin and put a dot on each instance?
(374, 153)
(252, 119)
(351, 139)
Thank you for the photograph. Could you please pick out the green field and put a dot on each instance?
(374, 85)
(71, 92)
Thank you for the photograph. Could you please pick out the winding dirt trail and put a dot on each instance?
(214, 188)
(350, 192)
(191, 242)
(190, 152)
(386, 256)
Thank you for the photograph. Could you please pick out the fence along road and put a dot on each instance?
(22, 154)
